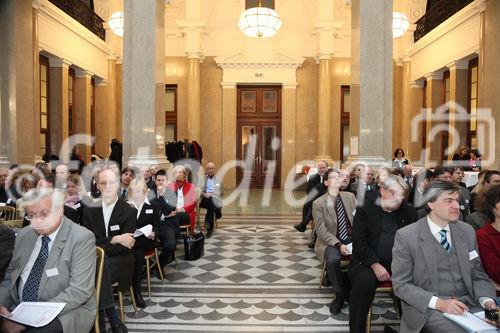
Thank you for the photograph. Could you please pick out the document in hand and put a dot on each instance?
(471, 322)
(146, 231)
(349, 248)
(36, 314)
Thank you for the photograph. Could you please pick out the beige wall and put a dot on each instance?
(176, 73)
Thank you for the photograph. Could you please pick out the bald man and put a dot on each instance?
(211, 196)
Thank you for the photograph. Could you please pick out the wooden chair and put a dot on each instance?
(383, 287)
(344, 263)
(13, 224)
(198, 211)
(120, 300)
(149, 256)
(98, 282)
(7, 213)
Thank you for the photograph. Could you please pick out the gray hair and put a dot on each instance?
(37, 194)
(391, 180)
(436, 189)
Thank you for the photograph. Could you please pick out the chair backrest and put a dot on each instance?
(100, 255)
(13, 223)
(7, 213)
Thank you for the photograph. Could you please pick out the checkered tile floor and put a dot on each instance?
(252, 277)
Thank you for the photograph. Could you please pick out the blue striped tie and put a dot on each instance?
(30, 289)
(444, 240)
(342, 219)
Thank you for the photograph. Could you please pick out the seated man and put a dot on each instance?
(112, 220)
(446, 173)
(63, 250)
(7, 239)
(333, 213)
(374, 227)
(211, 197)
(436, 268)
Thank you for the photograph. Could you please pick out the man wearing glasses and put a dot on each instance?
(112, 220)
(373, 231)
(53, 261)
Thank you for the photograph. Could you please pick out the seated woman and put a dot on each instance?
(474, 161)
(186, 197)
(399, 159)
(488, 237)
(74, 199)
(147, 214)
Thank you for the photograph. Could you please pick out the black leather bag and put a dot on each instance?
(194, 246)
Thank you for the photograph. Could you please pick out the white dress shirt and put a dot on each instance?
(435, 229)
(31, 261)
(106, 213)
(180, 198)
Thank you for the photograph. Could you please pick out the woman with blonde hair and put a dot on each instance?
(147, 215)
(74, 198)
(186, 197)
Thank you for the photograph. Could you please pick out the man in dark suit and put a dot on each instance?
(373, 230)
(211, 197)
(7, 239)
(113, 221)
(5, 200)
(436, 268)
(53, 261)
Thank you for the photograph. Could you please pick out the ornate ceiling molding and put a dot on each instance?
(279, 61)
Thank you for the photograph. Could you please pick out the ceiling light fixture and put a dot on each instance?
(115, 22)
(259, 22)
(400, 24)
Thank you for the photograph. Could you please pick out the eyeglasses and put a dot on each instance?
(395, 194)
(105, 183)
(42, 216)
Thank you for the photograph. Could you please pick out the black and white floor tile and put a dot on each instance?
(252, 277)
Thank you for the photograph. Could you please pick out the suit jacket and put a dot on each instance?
(415, 270)
(477, 220)
(326, 220)
(313, 181)
(7, 239)
(218, 190)
(149, 215)
(189, 193)
(366, 229)
(73, 254)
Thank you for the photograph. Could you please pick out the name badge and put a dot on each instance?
(162, 217)
(52, 272)
(354, 212)
(217, 184)
(149, 211)
(115, 228)
(77, 206)
(473, 255)
(9, 201)
(462, 207)
(2, 204)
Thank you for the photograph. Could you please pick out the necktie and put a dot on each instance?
(444, 240)
(124, 193)
(342, 224)
(30, 290)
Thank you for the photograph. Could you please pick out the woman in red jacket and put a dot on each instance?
(186, 197)
(488, 237)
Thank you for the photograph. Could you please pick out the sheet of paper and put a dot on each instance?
(349, 248)
(36, 314)
(146, 231)
(470, 322)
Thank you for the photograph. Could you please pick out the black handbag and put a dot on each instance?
(194, 246)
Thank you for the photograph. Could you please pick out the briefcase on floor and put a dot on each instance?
(194, 246)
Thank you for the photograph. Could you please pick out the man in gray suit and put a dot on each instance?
(211, 197)
(334, 213)
(53, 261)
(436, 268)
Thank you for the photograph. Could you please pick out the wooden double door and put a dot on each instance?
(259, 135)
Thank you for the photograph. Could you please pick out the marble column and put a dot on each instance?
(288, 130)
(144, 82)
(36, 80)
(104, 117)
(193, 97)
(323, 141)
(372, 81)
(17, 83)
(416, 97)
(397, 114)
(82, 108)
(229, 131)
(488, 145)
(118, 100)
(434, 99)
(459, 77)
(406, 106)
(480, 66)
(58, 103)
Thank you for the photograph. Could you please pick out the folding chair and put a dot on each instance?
(98, 281)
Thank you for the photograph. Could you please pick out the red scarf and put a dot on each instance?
(179, 184)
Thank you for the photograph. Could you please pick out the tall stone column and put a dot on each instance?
(372, 81)
(144, 82)
(193, 98)
(434, 99)
(323, 141)
(397, 114)
(416, 97)
(406, 105)
(17, 83)
(119, 100)
(229, 131)
(458, 111)
(481, 53)
(82, 111)
(288, 130)
(103, 122)
(36, 80)
(58, 89)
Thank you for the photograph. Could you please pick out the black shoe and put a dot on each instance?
(120, 328)
(337, 305)
(312, 243)
(139, 301)
(388, 329)
(300, 227)
(210, 232)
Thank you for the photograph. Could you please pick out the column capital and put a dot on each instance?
(323, 56)
(100, 82)
(195, 55)
(228, 85)
(417, 84)
(58, 62)
(481, 6)
(36, 4)
(460, 64)
(82, 73)
(434, 76)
